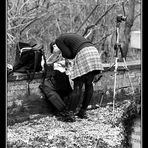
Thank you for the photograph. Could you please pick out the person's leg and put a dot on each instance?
(87, 94)
(53, 97)
(76, 94)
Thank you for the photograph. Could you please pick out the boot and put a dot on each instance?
(67, 116)
(82, 114)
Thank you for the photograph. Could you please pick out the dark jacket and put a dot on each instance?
(70, 44)
(57, 81)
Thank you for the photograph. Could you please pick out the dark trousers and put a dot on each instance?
(87, 80)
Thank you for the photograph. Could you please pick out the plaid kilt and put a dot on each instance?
(87, 59)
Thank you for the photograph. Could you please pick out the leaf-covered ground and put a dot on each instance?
(102, 129)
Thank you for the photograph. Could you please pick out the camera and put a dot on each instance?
(120, 18)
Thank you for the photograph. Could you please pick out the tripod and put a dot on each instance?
(118, 48)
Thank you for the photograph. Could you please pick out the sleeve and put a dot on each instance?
(66, 52)
(53, 58)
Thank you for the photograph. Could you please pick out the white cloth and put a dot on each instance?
(60, 66)
(58, 62)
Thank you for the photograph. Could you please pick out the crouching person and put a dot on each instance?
(56, 87)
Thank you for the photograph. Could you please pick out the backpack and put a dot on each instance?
(56, 88)
(28, 60)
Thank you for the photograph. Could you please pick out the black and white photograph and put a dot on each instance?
(74, 74)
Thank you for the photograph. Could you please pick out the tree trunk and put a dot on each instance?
(128, 26)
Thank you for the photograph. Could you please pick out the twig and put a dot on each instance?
(137, 15)
(123, 9)
(11, 38)
(9, 11)
(57, 23)
(104, 38)
(23, 5)
(87, 17)
(123, 87)
(104, 14)
(17, 26)
(35, 19)
(94, 25)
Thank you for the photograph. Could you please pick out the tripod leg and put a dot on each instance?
(128, 75)
(125, 65)
(130, 82)
(114, 95)
(115, 81)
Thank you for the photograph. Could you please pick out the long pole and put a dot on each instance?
(116, 62)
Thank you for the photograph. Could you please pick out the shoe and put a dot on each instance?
(97, 77)
(82, 114)
(69, 117)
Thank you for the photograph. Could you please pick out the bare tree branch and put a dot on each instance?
(104, 37)
(123, 9)
(35, 19)
(137, 15)
(19, 12)
(104, 14)
(87, 17)
(18, 26)
(57, 23)
(92, 26)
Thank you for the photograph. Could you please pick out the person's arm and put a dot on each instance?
(53, 58)
(66, 53)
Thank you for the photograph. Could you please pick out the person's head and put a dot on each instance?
(54, 48)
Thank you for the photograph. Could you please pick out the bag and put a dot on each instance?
(61, 83)
(28, 60)
(52, 96)
(56, 87)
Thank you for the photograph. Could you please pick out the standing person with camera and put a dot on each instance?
(86, 64)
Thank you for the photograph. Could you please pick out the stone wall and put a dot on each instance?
(123, 80)
(17, 89)
(17, 84)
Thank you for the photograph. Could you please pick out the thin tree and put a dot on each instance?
(128, 25)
